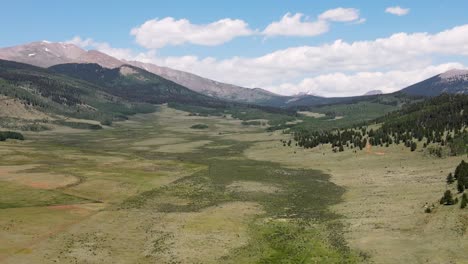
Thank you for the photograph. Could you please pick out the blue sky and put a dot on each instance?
(111, 23)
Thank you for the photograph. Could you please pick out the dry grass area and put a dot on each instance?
(192, 237)
(311, 114)
(10, 107)
(18, 174)
(193, 217)
(205, 236)
(383, 207)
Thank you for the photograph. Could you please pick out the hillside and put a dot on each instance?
(433, 123)
(43, 91)
(47, 54)
(453, 81)
(213, 88)
(134, 84)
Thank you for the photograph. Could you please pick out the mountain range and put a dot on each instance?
(47, 54)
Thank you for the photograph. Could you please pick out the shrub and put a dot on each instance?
(10, 135)
(199, 126)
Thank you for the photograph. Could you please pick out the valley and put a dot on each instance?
(137, 184)
(108, 160)
(151, 189)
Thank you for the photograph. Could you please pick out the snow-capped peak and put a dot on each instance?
(453, 73)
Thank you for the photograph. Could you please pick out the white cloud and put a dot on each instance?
(299, 25)
(396, 10)
(403, 52)
(295, 25)
(341, 84)
(340, 15)
(332, 69)
(157, 33)
(104, 47)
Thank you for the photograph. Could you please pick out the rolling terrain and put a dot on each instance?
(46, 54)
(106, 162)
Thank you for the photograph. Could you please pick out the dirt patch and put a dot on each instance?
(17, 175)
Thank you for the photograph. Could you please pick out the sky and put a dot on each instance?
(327, 48)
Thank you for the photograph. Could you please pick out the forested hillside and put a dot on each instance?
(60, 95)
(439, 121)
(89, 91)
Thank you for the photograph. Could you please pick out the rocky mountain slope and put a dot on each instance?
(453, 81)
(46, 54)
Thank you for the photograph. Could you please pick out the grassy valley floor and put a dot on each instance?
(383, 206)
(153, 190)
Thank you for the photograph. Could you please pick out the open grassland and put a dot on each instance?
(152, 190)
(342, 115)
(383, 207)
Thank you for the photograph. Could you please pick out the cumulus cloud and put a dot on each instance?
(340, 15)
(299, 25)
(89, 43)
(295, 25)
(278, 69)
(396, 10)
(157, 33)
(340, 84)
(384, 63)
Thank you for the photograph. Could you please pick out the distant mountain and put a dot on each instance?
(453, 82)
(134, 84)
(61, 96)
(212, 88)
(46, 54)
(374, 92)
(92, 92)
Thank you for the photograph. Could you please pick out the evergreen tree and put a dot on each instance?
(450, 179)
(464, 201)
(460, 186)
(447, 199)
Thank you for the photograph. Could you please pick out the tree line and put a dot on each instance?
(460, 176)
(4, 135)
(441, 121)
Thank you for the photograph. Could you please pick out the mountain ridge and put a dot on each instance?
(46, 54)
(454, 81)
